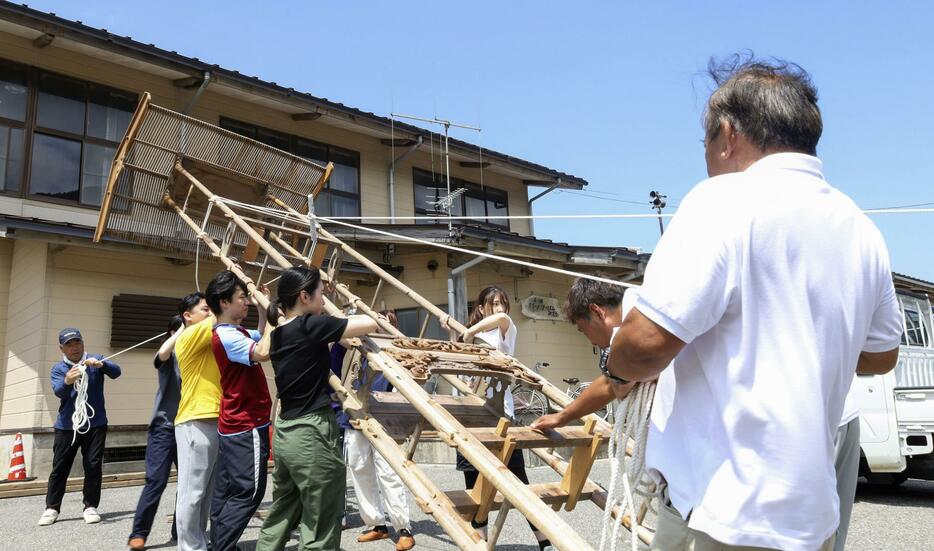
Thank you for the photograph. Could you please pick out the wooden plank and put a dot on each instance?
(526, 438)
(579, 467)
(550, 493)
(483, 491)
(117, 166)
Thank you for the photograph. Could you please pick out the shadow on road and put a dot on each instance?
(913, 493)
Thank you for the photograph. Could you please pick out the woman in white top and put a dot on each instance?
(490, 322)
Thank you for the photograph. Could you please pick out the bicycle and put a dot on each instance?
(530, 404)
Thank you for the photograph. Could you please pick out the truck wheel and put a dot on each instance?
(886, 479)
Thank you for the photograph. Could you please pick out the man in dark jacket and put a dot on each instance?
(89, 436)
(161, 451)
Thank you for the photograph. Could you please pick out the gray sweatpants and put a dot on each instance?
(197, 454)
(846, 463)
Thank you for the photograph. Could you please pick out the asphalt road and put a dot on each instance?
(884, 518)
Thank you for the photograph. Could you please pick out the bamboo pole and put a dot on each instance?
(383, 274)
(431, 499)
(368, 310)
(553, 393)
(487, 464)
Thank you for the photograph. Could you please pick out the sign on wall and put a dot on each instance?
(542, 308)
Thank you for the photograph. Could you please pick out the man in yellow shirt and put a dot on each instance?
(196, 423)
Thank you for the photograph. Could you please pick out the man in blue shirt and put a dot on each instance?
(93, 432)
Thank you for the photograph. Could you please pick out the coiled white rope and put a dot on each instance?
(84, 411)
(626, 473)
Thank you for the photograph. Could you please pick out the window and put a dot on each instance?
(915, 334)
(412, 319)
(476, 202)
(70, 128)
(77, 128)
(341, 195)
(14, 98)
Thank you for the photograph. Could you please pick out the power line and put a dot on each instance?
(903, 206)
(586, 194)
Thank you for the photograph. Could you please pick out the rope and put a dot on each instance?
(626, 474)
(585, 216)
(279, 213)
(84, 411)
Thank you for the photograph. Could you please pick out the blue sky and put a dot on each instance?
(606, 91)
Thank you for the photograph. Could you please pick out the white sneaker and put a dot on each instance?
(91, 516)
(48, 518)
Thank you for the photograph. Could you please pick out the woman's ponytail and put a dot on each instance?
(291, 283)
(273, 312)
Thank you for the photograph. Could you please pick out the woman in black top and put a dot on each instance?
(309, 476)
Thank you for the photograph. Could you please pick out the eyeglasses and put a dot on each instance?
(604, 357)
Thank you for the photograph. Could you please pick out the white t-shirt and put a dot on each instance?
(776, 281)
(850, 407)
(507, 345)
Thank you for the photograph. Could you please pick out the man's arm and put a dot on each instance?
(110, 369)
(877, 363)
(641, 349)
(165, 351)
(260, 352)
(61, 388)
(597, 395)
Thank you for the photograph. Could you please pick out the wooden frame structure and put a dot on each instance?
(161, 193)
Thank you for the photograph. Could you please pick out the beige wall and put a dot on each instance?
(25, 338)
(374, 157)
(52, 287)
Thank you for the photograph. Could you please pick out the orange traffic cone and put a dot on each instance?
(17, 460)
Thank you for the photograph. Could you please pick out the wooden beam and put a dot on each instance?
(526, 438)
(117, 166)
(579, 467)
(598, 496)
(483, 492)
(550, 493)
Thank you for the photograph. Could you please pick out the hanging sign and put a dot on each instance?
(542, 308)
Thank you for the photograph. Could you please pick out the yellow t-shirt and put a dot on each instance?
(201, 378)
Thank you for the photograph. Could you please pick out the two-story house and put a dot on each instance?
(67, 92)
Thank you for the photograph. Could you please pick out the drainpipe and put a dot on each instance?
(456, 273)
(198, 92)
(392, 181)
(539, 196)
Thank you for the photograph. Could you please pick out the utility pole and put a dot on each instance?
(447, 157)
(658, 202)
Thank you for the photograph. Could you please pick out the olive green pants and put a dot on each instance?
(307, 484)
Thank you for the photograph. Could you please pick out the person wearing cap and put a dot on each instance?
(67, 442)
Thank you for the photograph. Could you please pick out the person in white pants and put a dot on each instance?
(379, 490)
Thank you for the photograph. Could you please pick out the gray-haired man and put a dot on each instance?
(764, 313)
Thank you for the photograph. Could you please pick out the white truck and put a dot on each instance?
(897, 409)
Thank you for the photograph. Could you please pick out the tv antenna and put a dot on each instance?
(446, 202)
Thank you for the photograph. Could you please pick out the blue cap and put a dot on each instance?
(68, 334)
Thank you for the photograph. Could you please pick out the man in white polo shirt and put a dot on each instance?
(767, 292)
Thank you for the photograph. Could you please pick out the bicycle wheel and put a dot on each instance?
(529, 405)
